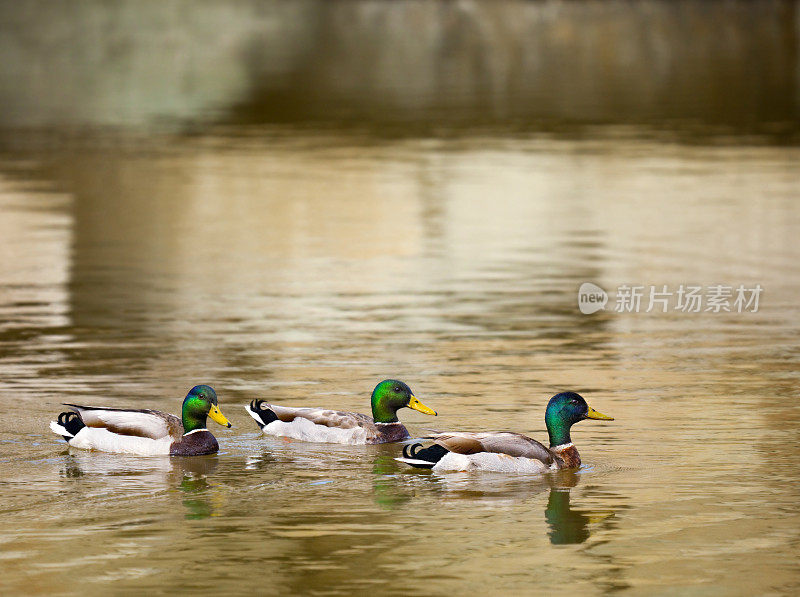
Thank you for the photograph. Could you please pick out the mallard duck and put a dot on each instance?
(335, 426)
(505, 451)
(142, 431)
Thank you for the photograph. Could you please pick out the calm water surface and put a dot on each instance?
(304, 268)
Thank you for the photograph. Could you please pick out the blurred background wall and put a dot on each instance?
(532, 64)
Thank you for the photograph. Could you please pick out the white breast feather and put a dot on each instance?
(96, 438)
(489, 461)
(305, 430)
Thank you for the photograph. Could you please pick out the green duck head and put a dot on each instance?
(201, 402)
(563, 411)
(391, 395)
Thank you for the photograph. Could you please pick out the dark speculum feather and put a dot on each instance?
(71, 421)
(263, 411)
(127, 410)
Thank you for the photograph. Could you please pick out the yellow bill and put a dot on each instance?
(216, 415)
(593, 414)
(417, 405)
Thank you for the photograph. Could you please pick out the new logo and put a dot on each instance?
(591, 298)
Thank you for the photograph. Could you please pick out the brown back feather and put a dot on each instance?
(503, 442)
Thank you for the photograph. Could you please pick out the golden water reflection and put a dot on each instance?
(302, 268)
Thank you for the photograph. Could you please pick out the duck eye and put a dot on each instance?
(397, 388)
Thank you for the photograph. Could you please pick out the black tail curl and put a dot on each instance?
(264, 412)
(71, 421)
(409, 450)
(433, 454)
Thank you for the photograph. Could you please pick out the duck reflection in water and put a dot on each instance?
(194, 472)
(566, 524)
(387, 493)
(126, 473)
